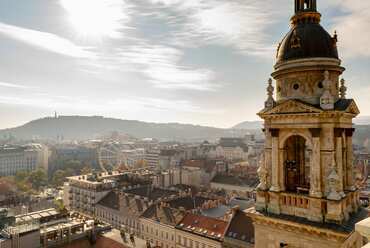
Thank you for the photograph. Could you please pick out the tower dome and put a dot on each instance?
(303, 56)
(307, 38)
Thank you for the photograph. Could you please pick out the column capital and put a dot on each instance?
(274, 132)
(349, 132)
(315, 132)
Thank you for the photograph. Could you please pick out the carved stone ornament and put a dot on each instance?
(333, 180)
(270, 102)
(327, 99)
(295, 41)
(262, 174)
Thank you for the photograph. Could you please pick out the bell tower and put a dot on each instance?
(305, 6)
(307, 193)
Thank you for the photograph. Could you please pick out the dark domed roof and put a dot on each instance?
(307, 40)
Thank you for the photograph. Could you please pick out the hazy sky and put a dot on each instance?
(193, 61)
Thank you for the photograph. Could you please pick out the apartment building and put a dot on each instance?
(198, 231)
(22, 158)
(123, 208)
(158, 225)
(82, 193)
(187, 176)
(152, 157)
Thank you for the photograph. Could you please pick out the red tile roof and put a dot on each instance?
(203, 226)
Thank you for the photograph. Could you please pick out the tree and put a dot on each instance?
(21, 176)
(86, 170)
(38, 178)
(59, 204)
(58, 178)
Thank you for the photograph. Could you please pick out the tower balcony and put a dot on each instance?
(295, 204)
(304, 206)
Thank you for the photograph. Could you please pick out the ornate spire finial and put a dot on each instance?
(343, 89)
(270, 102)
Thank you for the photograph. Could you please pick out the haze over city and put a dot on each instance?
(184, 124)
(196, 61)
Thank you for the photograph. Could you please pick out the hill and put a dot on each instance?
(362, 120)
(249, 125)
(83, 127)
(362, 135)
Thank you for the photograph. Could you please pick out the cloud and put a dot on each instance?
(127, 105)
(98, 17)
(15, 86)
(242, 24)
(161, 65)
(46, 41)
(352, 28)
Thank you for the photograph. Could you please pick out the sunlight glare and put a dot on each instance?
(97, 18)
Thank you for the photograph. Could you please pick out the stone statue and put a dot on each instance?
(333, 180)
(327, 99)
(270, 102)
(262, 174)
(343, 89)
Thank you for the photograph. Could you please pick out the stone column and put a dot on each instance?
(350, 181)
(281, 170)
(315, 167)
(275, 185)
(338, 134)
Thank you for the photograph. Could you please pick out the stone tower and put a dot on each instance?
(307, 196)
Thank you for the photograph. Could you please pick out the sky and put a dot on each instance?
(203, 62)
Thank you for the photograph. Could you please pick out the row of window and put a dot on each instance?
(187, 242)
(167, 237)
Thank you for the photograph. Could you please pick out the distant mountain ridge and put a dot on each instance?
(89, 127)
(362, 120)
(249, 125)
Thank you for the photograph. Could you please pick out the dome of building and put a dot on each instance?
(307, 40)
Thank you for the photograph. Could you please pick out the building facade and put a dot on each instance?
(307, 196)
(22, 158)
(82, 193)
(200, 231)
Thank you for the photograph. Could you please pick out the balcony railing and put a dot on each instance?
(293, 200)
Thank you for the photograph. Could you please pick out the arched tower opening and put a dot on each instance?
(297, 165)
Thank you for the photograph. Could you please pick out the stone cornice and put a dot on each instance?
(298, 228)
(309, 64)
(325, 114)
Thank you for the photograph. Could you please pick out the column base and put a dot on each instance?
(351, 188)
(316, 194)
(275, 189)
